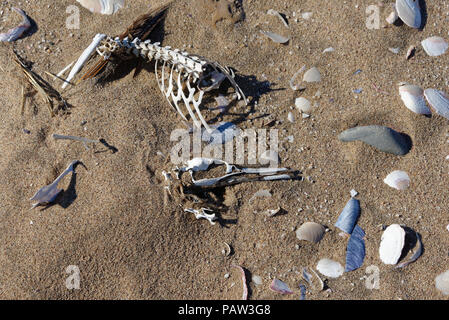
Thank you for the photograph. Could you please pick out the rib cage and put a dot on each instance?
(195, 73)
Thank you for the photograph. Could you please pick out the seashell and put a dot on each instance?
(413, 98)
(398, 179)
(410, 12)
(438, 100)
(394, 50)
(330, 268)
(312, 75)
(442, 282)
(434, 46)
(245, 287)
(303, 105)
(330, 49)
(391, 19)
(348, 217)
(280, 287)
(391, 244)
(102, 6)
(291, 117)
(310, 231)
(355, 250)
(302, 289)
(275, 37)
(15, 33)
(257, 280)
(410, 52)
(418, 250)
(273, 12)
(380, 137)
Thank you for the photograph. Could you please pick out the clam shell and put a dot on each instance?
(303, 105)
(310, 231)
(438, 100)
(391, 244)
(348, 217)
(355, 250)
(312, 75)
(330, 268)
(398, 179)
(280, 287)
(410, 12)
(102, 6)
(442, 282)
(434, 46)
(413, 98)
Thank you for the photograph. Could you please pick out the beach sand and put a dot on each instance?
(111, 221)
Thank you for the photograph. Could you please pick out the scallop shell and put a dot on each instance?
(434, 46)
(410, 12)
(442, 282)
(438, 100)
(312, 75)
(310, 231)
(413, 98)
(348, 217)
(330, 268)
(102, 6)
(398, 179)
(303, 105)
(391, 244)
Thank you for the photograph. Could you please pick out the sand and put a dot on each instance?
(111, 221)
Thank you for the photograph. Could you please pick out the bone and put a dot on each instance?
(83, 58)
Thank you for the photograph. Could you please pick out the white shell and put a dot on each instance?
(310, 231)
(393, 16)
(409, 12)
(330, 268)
(442, 282)
(275, 37)
(102, 6)
(413, 98)
(398, 180)
(303, 105)
(312, 75)
(438, 100)
(391, 244)
(434, 46)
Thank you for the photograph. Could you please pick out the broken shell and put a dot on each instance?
(245, 287)
(442, 282)
(102, 6)
(275, 37)
(410, 52)
(416, 255)
(392, 243)
(434, 46)
(413, 98)
(280, 287)
(348, 217)
(438, 100)
(393, 16)
(330, 268)
(277, 14)
(410, 12)
(355, 250)
(398, 179)
(312, 75)
(303, 105)
(310, 231)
